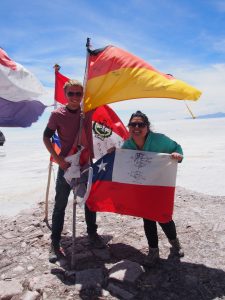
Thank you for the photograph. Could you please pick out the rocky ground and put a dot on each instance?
(117, 271)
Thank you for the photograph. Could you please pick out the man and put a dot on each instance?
(66, 121)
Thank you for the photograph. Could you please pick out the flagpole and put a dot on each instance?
(47, 193)
(57, 68)
(193, 116)
(79, 143)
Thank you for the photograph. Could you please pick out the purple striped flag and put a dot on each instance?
(19, 92)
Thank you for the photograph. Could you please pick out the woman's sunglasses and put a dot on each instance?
(137, 124)
(71, 94)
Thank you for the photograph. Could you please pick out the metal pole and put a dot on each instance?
(57, 68)
(47, 192)
(76, 181)
(74, 225)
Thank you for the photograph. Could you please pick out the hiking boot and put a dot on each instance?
(176, 247)
(96, 241)
(152, 258)
(54, 253)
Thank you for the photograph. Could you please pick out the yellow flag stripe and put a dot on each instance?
(133, 83)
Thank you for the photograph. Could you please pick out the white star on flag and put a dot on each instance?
(101, 166)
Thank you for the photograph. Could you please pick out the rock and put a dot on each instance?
(3, 276)
(31, 295)
(105, 293)
(23, 245)
(44, 296)
(18, 269)
(30, 268)
(9, 289)
(102, 253)
(2, 251)
(83, 256)
(40, 283)
(126, 271)
(27, 228)
(34, 254)
(43, 256)
(90, 278)
(35, 223)
(35, 234)
(5, 262)
(119, 292)
(57, 271)
(8, 235)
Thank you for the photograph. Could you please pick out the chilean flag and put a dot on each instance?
(19, 91)
(136, 183)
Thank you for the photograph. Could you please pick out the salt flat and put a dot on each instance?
(203, 142)
(24, 161)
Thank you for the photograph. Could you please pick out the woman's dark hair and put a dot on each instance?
(140, 114)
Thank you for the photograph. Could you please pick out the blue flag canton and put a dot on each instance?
(103, 168)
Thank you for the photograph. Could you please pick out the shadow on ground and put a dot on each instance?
(169, 279)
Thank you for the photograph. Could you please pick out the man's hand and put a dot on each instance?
(62, 163)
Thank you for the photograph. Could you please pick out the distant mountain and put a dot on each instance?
(215, 115)
(209, 116)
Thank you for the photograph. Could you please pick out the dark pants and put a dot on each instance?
(61, 199)
(150, 228)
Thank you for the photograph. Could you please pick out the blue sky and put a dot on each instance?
(184, 38)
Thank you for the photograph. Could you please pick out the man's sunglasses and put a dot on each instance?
(71, 94)
(137, 124)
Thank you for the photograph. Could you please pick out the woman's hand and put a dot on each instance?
(177, 156)
(112, 149)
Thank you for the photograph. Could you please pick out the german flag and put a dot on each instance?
(115, 75)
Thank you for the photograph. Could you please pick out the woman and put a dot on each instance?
(142, 138)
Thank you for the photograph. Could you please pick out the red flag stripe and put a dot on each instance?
(112, 58)
(150, 202)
